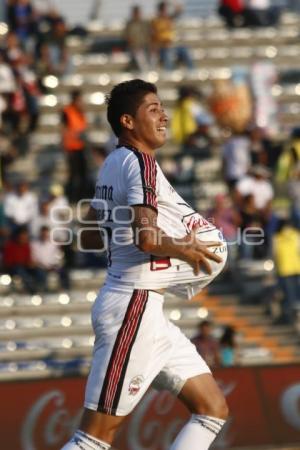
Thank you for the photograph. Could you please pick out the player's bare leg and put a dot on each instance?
(204, 399)
(96, 431)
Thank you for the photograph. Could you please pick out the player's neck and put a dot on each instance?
(141, 147)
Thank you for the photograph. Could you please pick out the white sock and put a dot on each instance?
(83, 441)
(198, 433)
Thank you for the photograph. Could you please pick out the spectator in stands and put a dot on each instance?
(294, 192)
(44, 66)
(8, 154)
(184, 115)
(17, 260)
(228, 346)
(207, 345)
(55, 39)
(42, 219)
(47, 258)
(163, 38)
(60, 214)
(233, 12)
(199, 144)
(4, 230)
(286, 248)
(289, 158)
(257, 184)
(13, 51)
(74, 144)
(137, 35)
(261, 13)
(21, 205)
(250, 219)
(7, 79)
(235, 158)
(22, 19)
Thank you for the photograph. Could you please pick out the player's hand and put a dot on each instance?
(198, 254)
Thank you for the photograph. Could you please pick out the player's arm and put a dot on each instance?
(90, 237)
(151, 239)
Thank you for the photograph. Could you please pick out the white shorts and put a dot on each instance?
(135, 345)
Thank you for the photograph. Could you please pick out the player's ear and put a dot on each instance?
(127, 121)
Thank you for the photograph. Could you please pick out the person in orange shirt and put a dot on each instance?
(74, 145)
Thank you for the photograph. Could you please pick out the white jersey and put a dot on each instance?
(129, 178)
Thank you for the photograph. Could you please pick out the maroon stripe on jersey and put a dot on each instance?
(150, 179)
(116, 370)
(149, 174)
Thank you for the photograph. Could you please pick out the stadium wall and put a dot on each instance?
(264, 404)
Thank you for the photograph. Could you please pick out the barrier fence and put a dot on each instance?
(264, 410)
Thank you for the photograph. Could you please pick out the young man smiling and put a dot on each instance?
(151, 238)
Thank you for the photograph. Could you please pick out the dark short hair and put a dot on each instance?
(161, 6)
(75, 94)
(125, 98)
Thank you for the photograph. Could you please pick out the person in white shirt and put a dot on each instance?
(236, 158)
(47, 257)
(21, 205)
(257, 183)
(154, 240)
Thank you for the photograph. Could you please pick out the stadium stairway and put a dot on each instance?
(51, 333)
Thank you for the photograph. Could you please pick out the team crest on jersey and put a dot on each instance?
(135, 385)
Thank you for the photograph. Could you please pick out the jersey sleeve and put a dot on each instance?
(141, 180)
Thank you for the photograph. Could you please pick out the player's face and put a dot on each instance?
(150, 122)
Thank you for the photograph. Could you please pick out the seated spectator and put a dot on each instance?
(261, 13)
(44, 66)
(250, 218)
(236, 158)
(199, 143)
(47, 257)
(163, 38)
(21, 205)
(286, 248)
(137, 35)
(206, 345)
(17, 260)
(228, 347)
(294, 192)
(233, 12)
(256, 183)
(13, 52)
(61, 219)
(42, 219)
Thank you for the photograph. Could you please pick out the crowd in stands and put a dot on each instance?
(221, 351)
(152, 43)
(255, 165)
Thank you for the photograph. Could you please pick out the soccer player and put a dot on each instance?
(153, 239)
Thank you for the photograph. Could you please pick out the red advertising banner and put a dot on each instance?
(264, 410)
